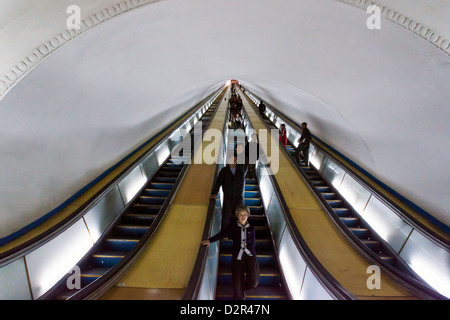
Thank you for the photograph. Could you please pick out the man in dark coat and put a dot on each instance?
(303, 146)
(232, 180)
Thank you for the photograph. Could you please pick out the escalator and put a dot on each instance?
(346, 214)
(134, 226)
(130, 228)
(270, 283)
(362, 237)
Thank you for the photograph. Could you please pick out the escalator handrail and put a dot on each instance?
(420, 227)
(49, 234)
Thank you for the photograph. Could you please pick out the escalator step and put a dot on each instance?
(264, 257)
(92, 274)
(107, 259)
(261, 244)
(269, 275)
(360, 232)
(136, 218)
(131, 230)
(261, 292)
(156, 192)
(374, 245)
(251, 187)
(253, 201)
(120, 244)
(161, 185)
(256, 210)
(145, 208)
(179, 162)
(341, 211)
(387, 259)
(164, 173)
(67, 294)
(172, 168)
(152, 200)
(350, 221)
(262, 232)
(328, 195)
(252, 194)
(164, 179)
(335, 203)
(258, 220)
(173, 165)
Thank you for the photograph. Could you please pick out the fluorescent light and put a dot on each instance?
(433, 274)
(162, 153)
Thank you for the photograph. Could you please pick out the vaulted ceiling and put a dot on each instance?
(381, 97)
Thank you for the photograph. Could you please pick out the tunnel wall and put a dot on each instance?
(380, 97)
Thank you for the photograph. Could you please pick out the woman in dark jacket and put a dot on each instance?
(243, 260)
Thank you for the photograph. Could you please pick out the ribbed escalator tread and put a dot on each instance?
(261, 292)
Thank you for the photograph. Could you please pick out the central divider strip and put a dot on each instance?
(166, 265)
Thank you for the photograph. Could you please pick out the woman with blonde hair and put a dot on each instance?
(243, 260)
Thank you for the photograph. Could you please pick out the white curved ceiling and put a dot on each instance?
(381, 97)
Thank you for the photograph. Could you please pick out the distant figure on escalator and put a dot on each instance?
(283, 135)
(232, 180)
(303, 146)
(244, 263)
(262, 109)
